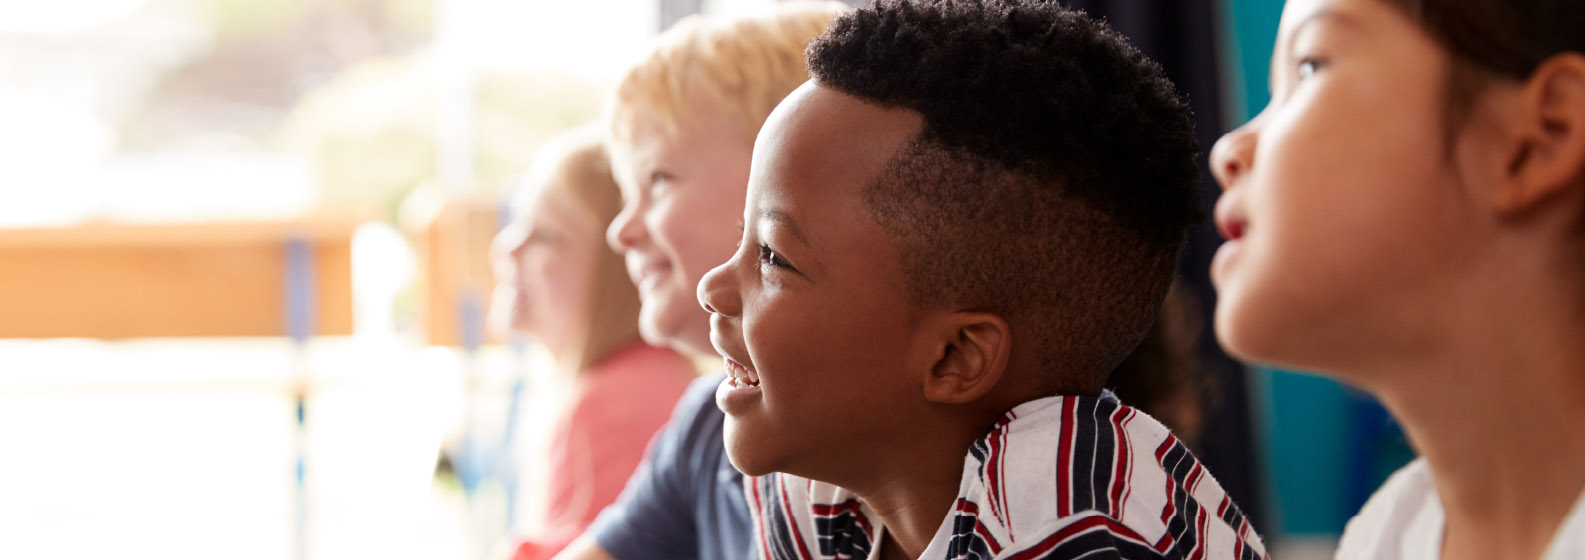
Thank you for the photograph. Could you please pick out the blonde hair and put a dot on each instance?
(579, 171)
(738, 68)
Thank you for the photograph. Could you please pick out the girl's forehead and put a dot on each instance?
(1360, 14)
(547, 203)
(534, 188)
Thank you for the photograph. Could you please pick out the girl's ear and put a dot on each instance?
(1547, 155)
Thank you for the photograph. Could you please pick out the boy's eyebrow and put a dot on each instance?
(786, 221)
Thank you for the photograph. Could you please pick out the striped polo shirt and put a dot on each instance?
(1060, 477)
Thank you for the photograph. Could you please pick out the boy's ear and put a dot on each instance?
(1547, 154)
(969, 354)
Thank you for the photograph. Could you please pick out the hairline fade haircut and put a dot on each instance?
(734, 68)
(1052, 182)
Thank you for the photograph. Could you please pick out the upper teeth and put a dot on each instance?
(740, 373)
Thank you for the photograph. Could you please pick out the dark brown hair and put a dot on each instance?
(1505, 39)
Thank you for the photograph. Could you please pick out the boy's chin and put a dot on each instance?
(746, 452)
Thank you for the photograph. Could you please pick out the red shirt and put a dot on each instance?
(594, 439)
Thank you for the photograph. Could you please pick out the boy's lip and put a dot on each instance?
(641, 268)
(736, 399)
(738, 370)
(738, 393)
(737, 367)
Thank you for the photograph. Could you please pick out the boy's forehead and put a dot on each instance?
(822, 142)
(644, 142)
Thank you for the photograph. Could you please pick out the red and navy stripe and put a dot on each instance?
(782, 539)
(971, 539)
(842, 531)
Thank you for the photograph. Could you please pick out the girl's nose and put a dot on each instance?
(1233, 154)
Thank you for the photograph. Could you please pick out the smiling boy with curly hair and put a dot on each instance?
(953, 234)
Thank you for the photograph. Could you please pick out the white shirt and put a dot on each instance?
(1404, 519)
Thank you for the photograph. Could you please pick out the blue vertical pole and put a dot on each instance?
(475, 458)
(301, 305)
(514, 409)
(507, 465)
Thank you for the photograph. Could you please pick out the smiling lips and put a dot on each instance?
(740, 374)
(643, 271)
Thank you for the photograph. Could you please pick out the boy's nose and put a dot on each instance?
(718, 294)
(1232, 155)
(627, 229)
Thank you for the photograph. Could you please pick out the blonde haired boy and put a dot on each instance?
(682, 124)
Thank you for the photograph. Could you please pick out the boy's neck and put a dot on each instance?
(912, 487)
(912, 490)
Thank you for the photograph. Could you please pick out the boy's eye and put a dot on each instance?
(769, 256)
(1308, 67)
(658, 181)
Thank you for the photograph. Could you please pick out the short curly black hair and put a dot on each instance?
(1053, 179)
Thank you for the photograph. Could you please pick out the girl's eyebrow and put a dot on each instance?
(1285, 44)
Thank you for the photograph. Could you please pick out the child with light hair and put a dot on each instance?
(559, 285)
(680, 130)
(682, 124)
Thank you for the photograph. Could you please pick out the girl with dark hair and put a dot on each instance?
(1408, 215)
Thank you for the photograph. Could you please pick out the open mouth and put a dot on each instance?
(740, 375)
(739, 394)
(646, 272)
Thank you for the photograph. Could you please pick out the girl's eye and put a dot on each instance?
(544, 238)
(768, 256)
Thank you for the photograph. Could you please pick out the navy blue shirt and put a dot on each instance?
(685, 500)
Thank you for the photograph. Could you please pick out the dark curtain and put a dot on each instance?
(1182, 36)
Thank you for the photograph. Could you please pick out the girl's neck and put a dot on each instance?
(1498, 411)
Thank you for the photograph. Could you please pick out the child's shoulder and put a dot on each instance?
(1404, 513)
(1075, 469)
